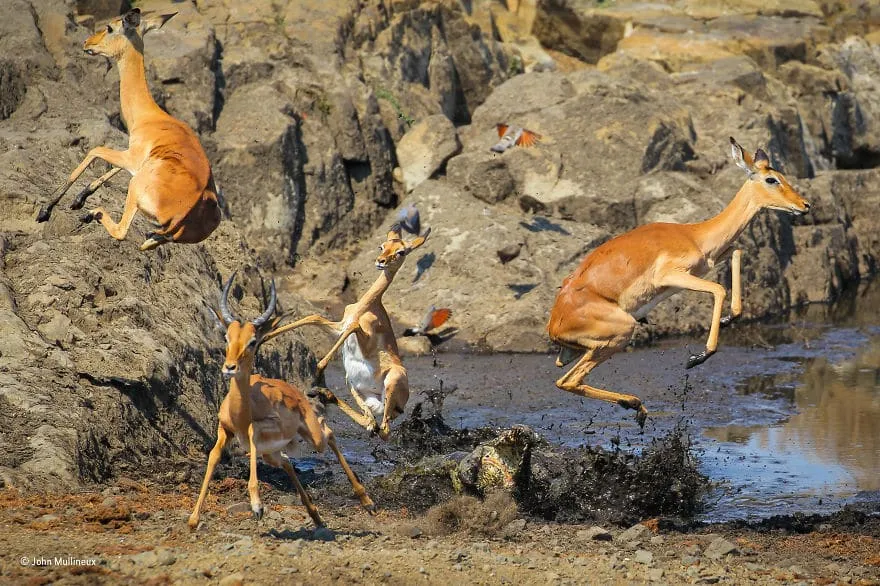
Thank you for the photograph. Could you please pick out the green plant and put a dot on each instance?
(384, 94)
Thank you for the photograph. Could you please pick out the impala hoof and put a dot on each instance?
(642, 416)
(90, 217)
(697, 359)
(258, 513)
(371, 508)
(44, 214)
(728, 319)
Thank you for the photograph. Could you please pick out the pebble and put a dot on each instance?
(233, 580)
(48, 518)
(109, 502)
(164, 557)
(413, 531)
(145, 558)
(719, 548)
(595, 533)
(655, 574)
(644, 556)
(514, 527)
(634, 533)
(293, 548)
(238, 508)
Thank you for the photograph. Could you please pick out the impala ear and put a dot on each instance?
(131, 19)
(393, 232)
(742, 159)
(762, 161)
(416, 242)
(155, 21)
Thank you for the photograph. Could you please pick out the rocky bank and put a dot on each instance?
(322, 117)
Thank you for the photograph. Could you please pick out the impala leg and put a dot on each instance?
(339, 342)
(253, 484)
(396, 397)
(92, 187)
(115, 158)
(365, 420)
(213, 458)
(735, 289)
(688, 281)
(572, 382)
(359, 490)
(312, 320)
(117, 231)
(280, 461)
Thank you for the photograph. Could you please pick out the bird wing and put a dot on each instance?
(425, 324)
(528, 138)
(439, 317)
(502, 129)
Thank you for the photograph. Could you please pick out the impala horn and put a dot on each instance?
(270, 309)
(224, 301)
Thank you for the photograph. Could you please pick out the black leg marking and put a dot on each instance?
(45, 212)
(729, 319)
(90, 217)
(697, 359)
(80, 199)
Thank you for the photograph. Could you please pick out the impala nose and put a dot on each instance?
(229, 370)
(807, 206)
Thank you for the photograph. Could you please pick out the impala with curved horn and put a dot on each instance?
(375, 373)
(619, 282)
(266, 415)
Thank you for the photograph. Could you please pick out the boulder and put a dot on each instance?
(425, 148)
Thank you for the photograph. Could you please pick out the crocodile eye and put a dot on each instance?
(771, 181)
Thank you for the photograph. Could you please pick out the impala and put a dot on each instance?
(373, 368)
(266, 415)
(172, 184)
(618, 283)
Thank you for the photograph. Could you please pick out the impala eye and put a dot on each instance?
(252, 342)
(771, 181)
(109, 29)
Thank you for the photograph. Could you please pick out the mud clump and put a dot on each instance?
(426, 433)
(592, 484)
(468, 514)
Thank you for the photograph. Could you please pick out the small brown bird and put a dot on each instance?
(433, 319)
(514, 135)
(510, 252)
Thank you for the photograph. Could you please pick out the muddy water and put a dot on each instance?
(784, 418)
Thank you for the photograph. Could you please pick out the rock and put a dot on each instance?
(635, 533)
(594, 533)
(643, 556)
(425, 148)
(148, 559)
(236, 579)
(656, 574)
(292, 548)
(165, 557)
(719, 548)
(513, 528)
(573, 28)
(238, 508)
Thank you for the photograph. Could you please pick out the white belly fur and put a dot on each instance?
(645, 309)
(362, 375)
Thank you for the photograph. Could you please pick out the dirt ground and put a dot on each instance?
(131, 533)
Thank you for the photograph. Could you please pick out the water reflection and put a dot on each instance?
(832, 438)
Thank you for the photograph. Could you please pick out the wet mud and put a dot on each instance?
(777, 425)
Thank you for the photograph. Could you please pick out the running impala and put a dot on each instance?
(622, 280)
(172, 184)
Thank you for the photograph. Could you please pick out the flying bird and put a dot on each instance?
(514, 135)
(432, 320)
(408, 218)
(508, 253)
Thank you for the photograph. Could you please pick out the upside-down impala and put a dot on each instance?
(373, 369)
(622, 280)
(266, 415)
(172, 184)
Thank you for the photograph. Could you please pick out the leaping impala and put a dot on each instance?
(373, 369)
(619, 282)
(171, 182)
(265, 414)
